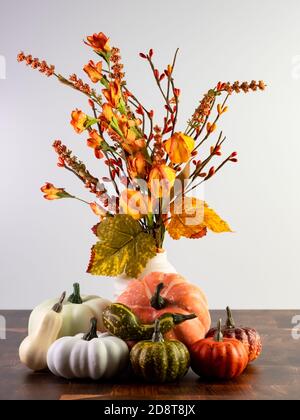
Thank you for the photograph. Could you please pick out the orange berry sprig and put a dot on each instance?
(49, 70)
(36, 64)
(117, 68)
(200, 121)
(245, 87)
(201, 115)
(70, 162)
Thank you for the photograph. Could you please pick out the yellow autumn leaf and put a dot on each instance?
(214, 222)
(187, 219)
(191, 218)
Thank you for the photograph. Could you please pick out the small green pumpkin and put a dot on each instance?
(160, 360)
(120, 321)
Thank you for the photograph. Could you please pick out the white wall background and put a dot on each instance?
(44, 247)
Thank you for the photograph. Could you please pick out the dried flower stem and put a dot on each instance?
(139, 104)
(177, 108)
(159, 83)
(200, 168)
(171, 84)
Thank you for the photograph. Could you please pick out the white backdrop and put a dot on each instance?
(45, 245)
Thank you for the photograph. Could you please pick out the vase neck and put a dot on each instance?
(159, 263)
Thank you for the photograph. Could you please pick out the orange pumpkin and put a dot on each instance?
(159, 293)
(248, 336)
(219, 357)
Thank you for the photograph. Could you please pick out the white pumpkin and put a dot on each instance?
(95, 356)
(76, 313)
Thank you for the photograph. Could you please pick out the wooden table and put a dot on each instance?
(276, 375)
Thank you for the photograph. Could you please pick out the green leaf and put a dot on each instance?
(122, 107)
(123, 248)
(90, 122)
(64, 194)
(104, 82)
(136, 131)
(105, 55)
(115, 126)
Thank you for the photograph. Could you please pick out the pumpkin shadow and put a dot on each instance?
(46, 377)
(250, 373)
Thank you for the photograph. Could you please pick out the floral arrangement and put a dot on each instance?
(152, 166)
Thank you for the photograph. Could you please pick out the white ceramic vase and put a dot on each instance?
(159, 263)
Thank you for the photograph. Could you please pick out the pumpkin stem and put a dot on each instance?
(179, 318)
(157, 301)
(59, 306)
(157, 336)
(230, 321)
(219, 335)
(93, 331)
(75, 297)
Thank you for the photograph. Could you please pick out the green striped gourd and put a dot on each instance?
(160, 360)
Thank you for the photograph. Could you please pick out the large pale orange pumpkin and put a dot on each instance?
(159, 293)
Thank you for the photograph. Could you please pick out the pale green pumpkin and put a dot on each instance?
(77, 312)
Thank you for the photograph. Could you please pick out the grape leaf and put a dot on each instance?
(123, 248)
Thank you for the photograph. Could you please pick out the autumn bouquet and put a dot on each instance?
(152, 166)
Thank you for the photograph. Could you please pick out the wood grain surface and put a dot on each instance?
(276, 375)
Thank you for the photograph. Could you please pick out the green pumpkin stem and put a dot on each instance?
(75, 297)
(93, 331)
(219, 335)
(179, 318)
(157, 336)
(230, 321)
(58, 307)
(157, 301)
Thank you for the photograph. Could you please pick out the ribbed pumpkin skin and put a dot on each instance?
(160, 362)
(223, 360)
(248, 336)
(182, 298)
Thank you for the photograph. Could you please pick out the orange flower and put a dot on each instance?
(98, 211)
(161, 180)
(94, 71)
(132, 145)
(78, 121)
(95, 141)
(134, 204)
(99, 42)
(113, 94)
(53, 193)
(107, 112)
(132, 135)
(137, 165)
(179, 148)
